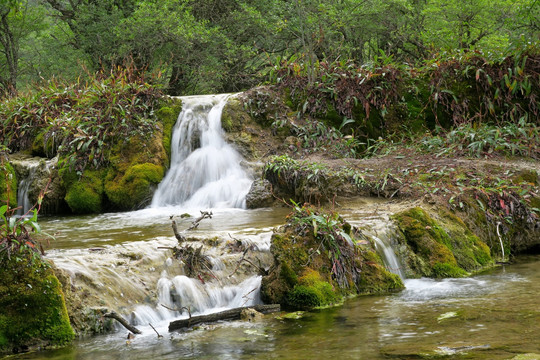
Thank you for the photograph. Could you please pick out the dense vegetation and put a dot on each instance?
(222, 46)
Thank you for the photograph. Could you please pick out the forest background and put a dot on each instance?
(214, 46)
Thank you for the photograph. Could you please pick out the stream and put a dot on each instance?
(493, 315)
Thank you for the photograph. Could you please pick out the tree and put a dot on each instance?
(17, 20)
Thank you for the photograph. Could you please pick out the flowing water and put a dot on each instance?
(205, 170)
(123, 262)
(494, 315)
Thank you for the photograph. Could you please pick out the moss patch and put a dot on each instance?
(168, 115)
(133, 189)
(84, 194)
(32, 307)
(8, 179)
(441, 248)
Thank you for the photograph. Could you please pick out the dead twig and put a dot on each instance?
(121, 320)
(158, 334)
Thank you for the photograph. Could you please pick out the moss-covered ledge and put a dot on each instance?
(319, 259)
(439, 248)
(135, 167)
(33, 313)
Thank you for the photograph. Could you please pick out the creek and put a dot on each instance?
(493, 315)
(120, 261)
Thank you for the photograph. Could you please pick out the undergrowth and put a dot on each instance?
(81, 121)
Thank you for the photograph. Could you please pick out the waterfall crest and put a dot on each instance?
(205, 171)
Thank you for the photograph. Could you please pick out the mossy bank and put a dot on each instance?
(33, 313)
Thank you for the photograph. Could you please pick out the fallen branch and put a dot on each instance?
(158, 334)
(181, 238)
(121, 320)
(204, 215)
(232, 314)
(188, 308)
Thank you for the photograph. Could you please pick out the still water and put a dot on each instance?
(493, 315)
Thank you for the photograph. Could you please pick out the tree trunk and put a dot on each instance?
(232, 314)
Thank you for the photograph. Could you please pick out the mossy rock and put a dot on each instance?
(440, 248)
(8, 180)
(303, 278)
(168, 115)
(136, 167)
(44, 144)
(32, 307)
(134, 188)
(84, 194)
(375, 278)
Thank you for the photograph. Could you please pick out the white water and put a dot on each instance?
(205, 171)
(388, 256)
(22, 190)
(35, 174)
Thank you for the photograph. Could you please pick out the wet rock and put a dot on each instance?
(37, 175)
(250, 315)
(260, 194)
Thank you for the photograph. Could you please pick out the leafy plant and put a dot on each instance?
(335, 241)
(81, 121)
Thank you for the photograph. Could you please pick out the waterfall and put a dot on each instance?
(24, 187)
(205, 171)
(34, 176)
(388, 256)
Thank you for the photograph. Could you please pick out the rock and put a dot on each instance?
(250, 315)
(260, 194)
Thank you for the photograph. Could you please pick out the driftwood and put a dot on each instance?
(122, 321)
(232, 314)
(204, 215)
(181, 238)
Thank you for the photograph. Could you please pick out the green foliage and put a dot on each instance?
(8, 183)
(465, 89)
(84, 119)
(17, 233)
(519, 139)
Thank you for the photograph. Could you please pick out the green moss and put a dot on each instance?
(375, 279)
(129, 190)
(444, 247)
(8, 180)
(526, 176)
(32, 307)
(304, 297)
(84, 195)
(288, 275)
(167, 115)
(444, 270)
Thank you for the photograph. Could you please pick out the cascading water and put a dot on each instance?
(388, 255)
(23, 188)
(205, 171)
(34, 175)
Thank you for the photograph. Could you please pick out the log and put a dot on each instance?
(232, 314)
(122, 321)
